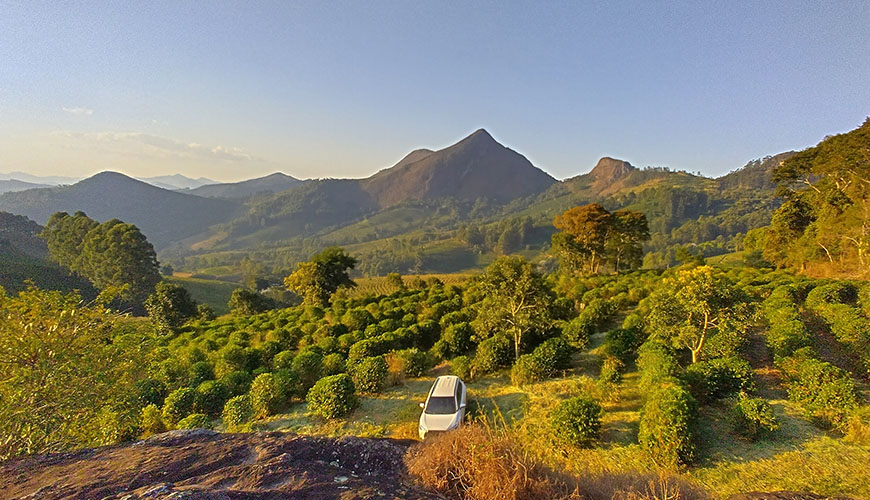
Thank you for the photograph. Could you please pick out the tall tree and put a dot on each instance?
(687, 309)
(318, 279)
(624, 246)
(589, 226)
(516, 299)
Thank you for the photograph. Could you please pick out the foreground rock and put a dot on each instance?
(203, 464)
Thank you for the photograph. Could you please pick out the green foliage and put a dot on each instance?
(657, 364)
(266, 396)
(369, 374)
(555, 355)
(825, 392)
(577, 421)
(211, 397)
(237, 412)
(719, 377)
(667, 426)
(528, 369)
(622, 343)
(244, 302)
(411, 362)
(150, 391)
(179, 404)
(696, 304)
(461, 367)
(170, 306)
(194, 421)
(152, 421)
(578, 330)
(516, 300)
(333, 364)
(318, 279)
(611, 370)
(753, 417)
(199, 373)
(308, 365)
(237, 382)
(458, 337)
(61, 362)
(332, 397)
(591, 236)
(492, 354)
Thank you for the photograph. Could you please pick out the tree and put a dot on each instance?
(244, 302)
(65, 377)
(516, 299)
(111, 255)
(394, 280)
(318, 279)
(624, 246)
(170, 306)
(589, 226)
(692, 306)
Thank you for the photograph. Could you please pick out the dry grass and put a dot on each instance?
(482, 462)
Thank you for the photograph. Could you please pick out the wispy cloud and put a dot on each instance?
(163, 145)
(79, 111)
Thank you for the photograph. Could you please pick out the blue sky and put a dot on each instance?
(232, 90)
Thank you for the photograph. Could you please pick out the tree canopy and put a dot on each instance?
(319, 278)
(591, 235)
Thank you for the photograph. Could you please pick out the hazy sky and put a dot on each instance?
(334, 89)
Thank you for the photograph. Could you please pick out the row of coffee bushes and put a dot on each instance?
(837, 303)
(825, 392)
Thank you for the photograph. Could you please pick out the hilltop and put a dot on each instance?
(273, 183)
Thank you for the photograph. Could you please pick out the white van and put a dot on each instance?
(444, 409)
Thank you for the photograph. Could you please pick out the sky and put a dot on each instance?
(234, 90)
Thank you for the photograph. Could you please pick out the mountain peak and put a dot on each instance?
(609, 169)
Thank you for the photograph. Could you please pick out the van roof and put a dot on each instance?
(445, 385)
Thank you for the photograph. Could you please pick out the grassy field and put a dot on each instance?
(798, 457)
(215, 293)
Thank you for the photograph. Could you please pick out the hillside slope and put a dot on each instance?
(163, 216)
(274, 183)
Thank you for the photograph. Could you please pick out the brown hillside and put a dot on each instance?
(475, 167)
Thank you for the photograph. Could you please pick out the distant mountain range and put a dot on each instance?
(475, 181)
(273, 183)
(12, 185)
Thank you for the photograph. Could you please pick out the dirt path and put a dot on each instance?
(201, 464)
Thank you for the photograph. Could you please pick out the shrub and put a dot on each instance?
(238, 411)
(825, 392)
(753, 417)
(150, 392)
(493, 353)
(210, 397)
(719, 377)
(458, 337)
(332, 397)
(333, 364)
(195, 421)
(577, 421)
(667, 426)
(370, 374)
(308, 365)
(200, 372)
(178, 404)
(857, 427)
(365, 349)
(578, 330)
(441, 350)
(656, 363)
(611, 370)
(832, 293)
(461, 367)
(411, 362)
(283, 360)
(237, 383)
(528, 369)
(554, 354)
(266, 396)
(622, 343)
(152, 421)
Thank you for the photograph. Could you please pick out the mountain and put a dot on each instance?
(274, 183)
(50, 180)
(176, 181)
(475, 167)
(163, 216)
(11, 185)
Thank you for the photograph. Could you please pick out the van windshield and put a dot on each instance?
(441, 405)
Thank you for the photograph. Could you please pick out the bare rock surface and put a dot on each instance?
(200, 464)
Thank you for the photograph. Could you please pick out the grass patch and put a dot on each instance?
(214, 293)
